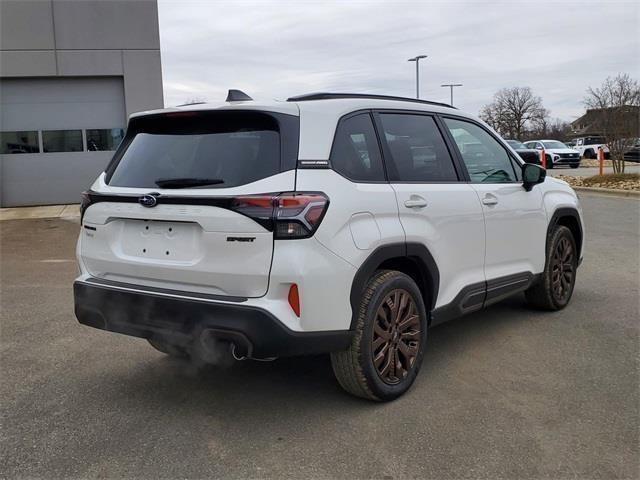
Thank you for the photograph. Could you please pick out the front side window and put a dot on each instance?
(487, 161)
(418, 151)
(61, 141)
(355, 152)
(19, 142)
(104, 139)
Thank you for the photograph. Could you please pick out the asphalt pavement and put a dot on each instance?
(504, 393)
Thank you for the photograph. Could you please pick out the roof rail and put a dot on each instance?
(330, 96)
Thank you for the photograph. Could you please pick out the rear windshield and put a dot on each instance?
(208, 150)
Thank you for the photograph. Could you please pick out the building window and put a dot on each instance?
(104, 139)
(19, 142)
(62, 141)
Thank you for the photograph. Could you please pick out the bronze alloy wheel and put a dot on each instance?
(396, 336)
(562, 270)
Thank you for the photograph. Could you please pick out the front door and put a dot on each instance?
(516, 222)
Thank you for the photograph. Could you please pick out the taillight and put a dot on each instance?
(257, 207)
(289, 215)
(298, 215)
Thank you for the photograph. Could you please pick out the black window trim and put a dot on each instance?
(491, 134)
(344, 118)
(386, 152)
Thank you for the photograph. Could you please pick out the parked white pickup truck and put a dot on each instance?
(588, 146)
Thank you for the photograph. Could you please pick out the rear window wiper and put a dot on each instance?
(187, 182)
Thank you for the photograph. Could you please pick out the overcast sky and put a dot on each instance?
(275, 49)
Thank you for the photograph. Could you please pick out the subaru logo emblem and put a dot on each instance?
(148, 201)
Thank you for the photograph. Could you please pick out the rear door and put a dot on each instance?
(436, 208)
(516, 222)
(186, 203)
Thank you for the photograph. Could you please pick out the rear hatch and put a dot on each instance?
(182, 205)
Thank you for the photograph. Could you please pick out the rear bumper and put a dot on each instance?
(183, 319)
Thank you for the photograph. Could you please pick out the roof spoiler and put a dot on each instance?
(237, 96)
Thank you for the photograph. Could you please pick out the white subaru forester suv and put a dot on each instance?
(328, 223)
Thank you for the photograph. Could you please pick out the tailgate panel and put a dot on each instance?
(164, 250)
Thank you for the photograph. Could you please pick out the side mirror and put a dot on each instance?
(532, 174)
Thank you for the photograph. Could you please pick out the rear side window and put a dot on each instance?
(355, 153)
(212, 150)
(418, 151)
(487, 160)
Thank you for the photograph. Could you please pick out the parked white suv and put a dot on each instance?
(556, 153)
(328, 223)
(588, 146)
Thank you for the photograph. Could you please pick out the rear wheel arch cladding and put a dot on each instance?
(397, 256)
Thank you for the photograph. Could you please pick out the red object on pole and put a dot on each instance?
(601, 160)
(543, 158)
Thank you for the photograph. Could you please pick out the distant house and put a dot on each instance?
(593, 123)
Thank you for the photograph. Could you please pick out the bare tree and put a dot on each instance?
(617, 102)
(513, 111)
(556, 129)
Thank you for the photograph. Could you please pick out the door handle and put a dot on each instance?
(490, 199)
(415, 202)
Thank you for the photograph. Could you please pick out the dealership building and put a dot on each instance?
(71, 71)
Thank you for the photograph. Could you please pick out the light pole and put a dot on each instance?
(451, 85)
(417, 60)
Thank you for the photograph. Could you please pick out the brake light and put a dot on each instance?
(298, 215)
(290, 215)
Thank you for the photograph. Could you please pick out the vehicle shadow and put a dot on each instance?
(307, 382)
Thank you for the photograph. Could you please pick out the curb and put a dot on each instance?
(46, 211)
(609, 191)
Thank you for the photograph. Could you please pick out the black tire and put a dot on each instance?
(575, 165)
(589, 153)
(549, 161)
(167, 348)
(550, 292)
(355, 368)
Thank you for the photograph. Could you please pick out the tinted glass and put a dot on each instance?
(355, 153)
(104, 139)
(418, 151)
(232, 149)
(487, 161)
(62, 141)
(19, 142)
